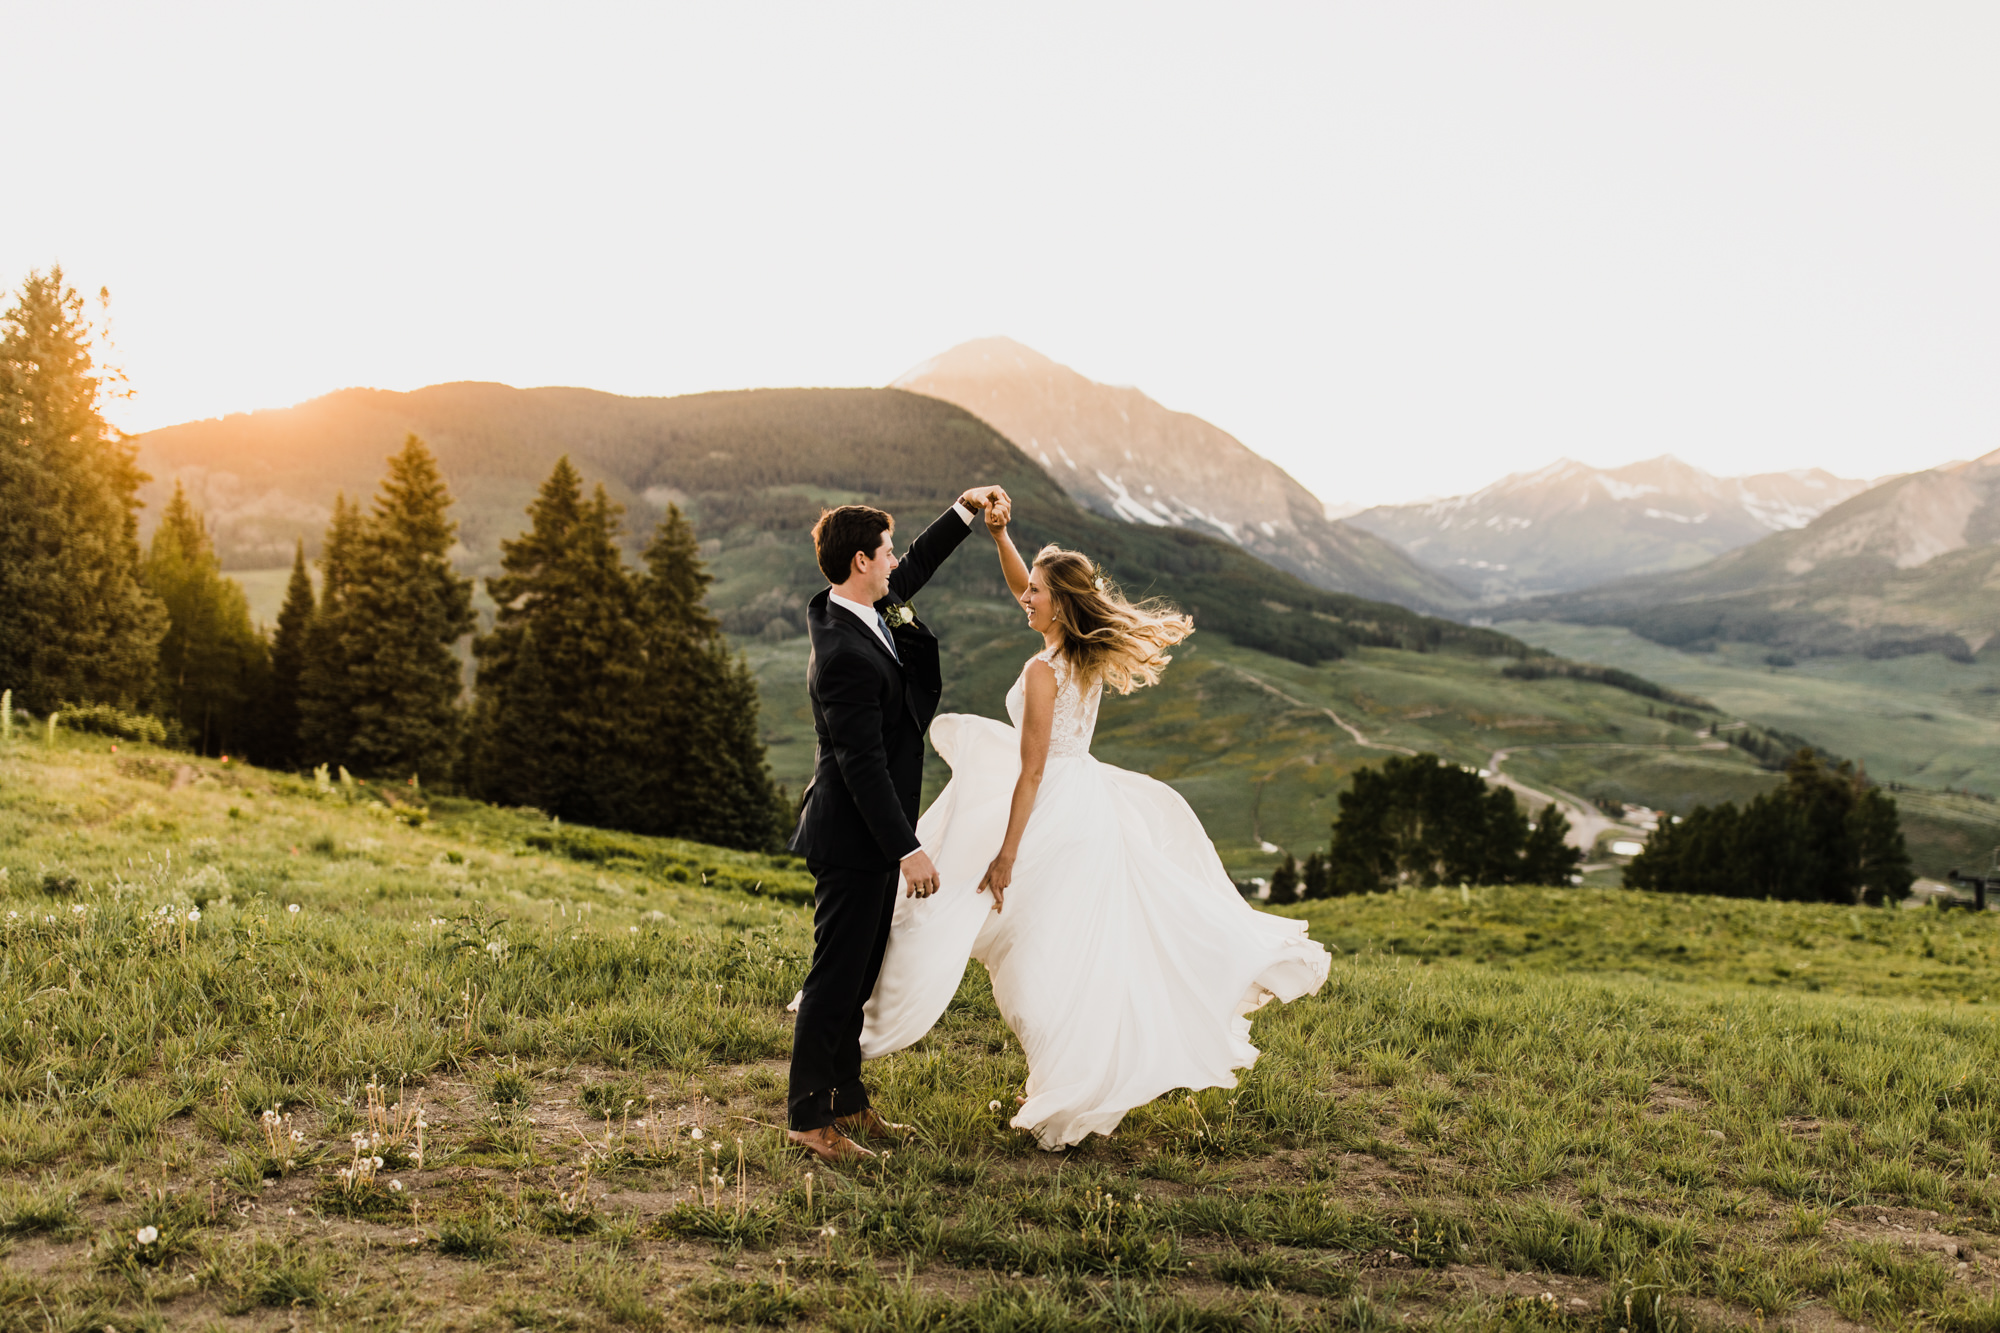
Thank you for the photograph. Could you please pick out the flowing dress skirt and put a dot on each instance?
(1125, 961)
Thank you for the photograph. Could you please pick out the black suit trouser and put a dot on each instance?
(852, 910)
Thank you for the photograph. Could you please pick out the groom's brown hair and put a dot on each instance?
(843, 533)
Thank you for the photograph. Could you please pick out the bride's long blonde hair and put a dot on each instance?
(1104, 636)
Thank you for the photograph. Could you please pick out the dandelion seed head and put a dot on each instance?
(993, 1105)
(194, 914)
(695, 1133)
(147, 1235)
(395, 1186)
(293, 909)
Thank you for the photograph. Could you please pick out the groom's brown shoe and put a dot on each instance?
(870, 1122)
(829, 1145)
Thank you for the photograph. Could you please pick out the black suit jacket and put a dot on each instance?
(870, 714)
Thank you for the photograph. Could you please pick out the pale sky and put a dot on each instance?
(1402, 248)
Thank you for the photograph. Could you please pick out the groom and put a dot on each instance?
(874, 683)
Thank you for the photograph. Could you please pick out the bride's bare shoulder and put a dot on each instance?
(1038, 669)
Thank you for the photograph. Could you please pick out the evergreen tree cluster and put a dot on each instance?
(1825, 835)
(378, 681)
(604, 695)
(1421, 821)
(608, 696)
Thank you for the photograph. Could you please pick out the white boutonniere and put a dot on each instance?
(899, 614)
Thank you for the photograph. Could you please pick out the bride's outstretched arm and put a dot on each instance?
(1037, 720)
(998, 515)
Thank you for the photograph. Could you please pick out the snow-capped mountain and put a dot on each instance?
(1911, 565)
(1571, 526)
(1119, 453)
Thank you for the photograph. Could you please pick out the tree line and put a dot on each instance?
(602, 694)
(1825, 835)
(1421, 821)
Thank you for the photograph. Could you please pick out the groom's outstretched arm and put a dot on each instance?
(851, 706)
(936, 543)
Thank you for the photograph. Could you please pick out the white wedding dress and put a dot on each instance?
(1125, 961)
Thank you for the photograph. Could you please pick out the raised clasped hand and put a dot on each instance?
(998, 876)
(979, 497)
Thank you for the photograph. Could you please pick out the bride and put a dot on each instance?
(1120, 952)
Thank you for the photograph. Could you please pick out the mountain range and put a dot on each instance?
(1118, 453)
(1570, 526)
(1911, 565)
(1244, 725)
(761, 462)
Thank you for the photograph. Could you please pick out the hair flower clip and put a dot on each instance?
(1101, 583)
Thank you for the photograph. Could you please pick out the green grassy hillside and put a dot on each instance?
(1255, 743)
(1515, 1109)
(1923, 720)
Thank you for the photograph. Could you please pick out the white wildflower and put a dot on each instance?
(147, 1235)
(695, 1133)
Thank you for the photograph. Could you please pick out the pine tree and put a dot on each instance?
(677, 579)
(1546, 856)
(565, 592)
(288, 657)
(326, 688)
(211, 662)
(1314, 882)
(514, 749)
(1285, 883)
(407, 611)
(76, 623)
(709, 780)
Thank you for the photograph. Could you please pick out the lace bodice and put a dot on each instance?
(1076, 710)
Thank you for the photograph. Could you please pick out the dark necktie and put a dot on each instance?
(887, 637)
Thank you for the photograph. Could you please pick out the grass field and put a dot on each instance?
(1920, 719)
(1509, 1109)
